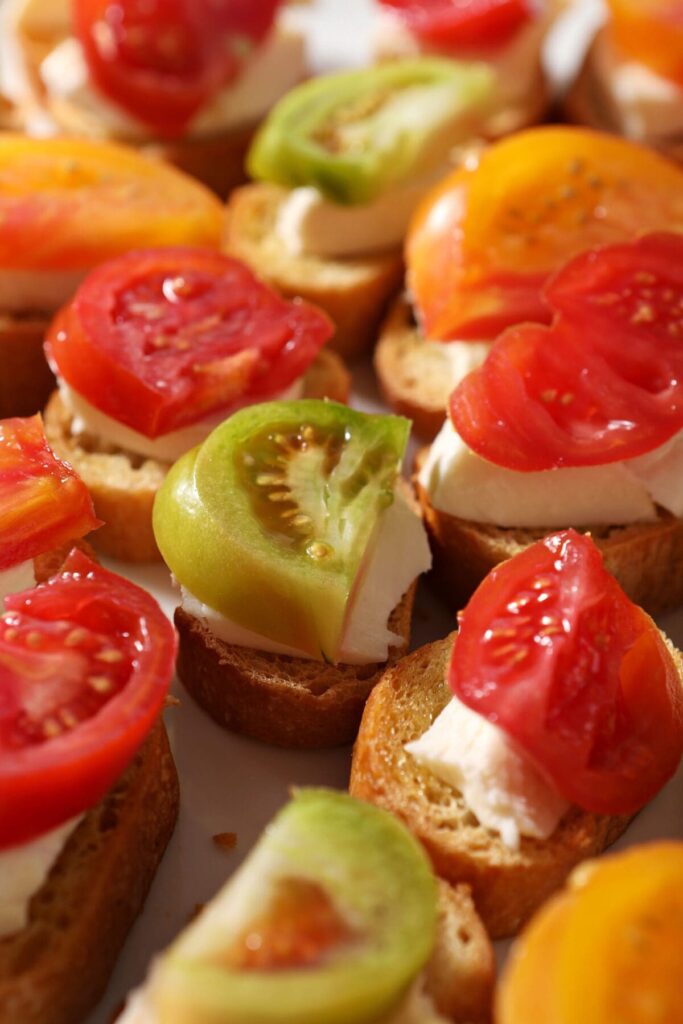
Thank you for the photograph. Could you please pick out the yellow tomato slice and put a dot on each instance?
(651, 31)
(69, 204)
(484, 242)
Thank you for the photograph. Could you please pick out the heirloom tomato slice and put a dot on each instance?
(68, 204)
(552, 651)
(85, 663)
(43, 502)
(651, 32)
(162, 60)
(604, 383)
(484, 242)
(161, 338)
(463, 24)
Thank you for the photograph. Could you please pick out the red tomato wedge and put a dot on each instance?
(162, 60)
(602, 384)
(651, 32)
(464, 24)
(85, 663)
(69, 204)
(485, 241)
(161, 338)
(552, 651)
(43, 502)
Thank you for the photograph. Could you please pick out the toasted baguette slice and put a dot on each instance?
(354, 292)
(50, 562)
(588, 103)
(507, 885)
(284, 701)
(646, 558)
(25, 379)
(460, 974)
(56, 968)
(123, 485)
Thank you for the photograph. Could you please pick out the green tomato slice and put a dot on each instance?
(268, 522)
(356, 134)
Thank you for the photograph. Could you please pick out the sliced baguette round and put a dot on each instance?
(507, 885)
(123, 485)
(25, 379)
(284, 701)
(57, 967)
(461, 971)
(354, 292)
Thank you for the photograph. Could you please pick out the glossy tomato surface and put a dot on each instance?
(163, 60)
(68, 204)
(552, 651)
(161, 338)
(43, 502)
(651, 32)
(464, 24)
(603, 383)
(484, 242)
(86, 660)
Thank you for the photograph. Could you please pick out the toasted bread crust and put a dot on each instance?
(50, 562)
(56, 968)
(25, 380)
(123, 485)
(507, 885)
(460, 974)
(354, 292)
(646, 558)
(287, 702)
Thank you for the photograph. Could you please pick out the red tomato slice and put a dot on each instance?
(162, 60)
(463, 24)
(552, 651)
(161, 338)
(602, 384)
(43, 502)
(85, 663)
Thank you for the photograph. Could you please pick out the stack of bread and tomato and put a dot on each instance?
(187, 360)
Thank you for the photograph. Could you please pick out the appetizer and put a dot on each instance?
(44, 506)
(573, 424)
(188, 80)
(158, 347)
(66, 206)
(335, 916)
(485, 241)
(341, 162)
(608, 948)
(631, 81)
(528, 741)
(282, 530)
(88, 789)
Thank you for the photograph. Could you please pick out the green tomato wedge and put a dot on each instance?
(356, 134)
(269, 520)
(329, 921)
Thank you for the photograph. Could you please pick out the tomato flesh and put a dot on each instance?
(43, 502)
(552, 651)
(85, 663)
(162, 60)
(603, 383)
(161, 338)
(651, 33)
(463, 24)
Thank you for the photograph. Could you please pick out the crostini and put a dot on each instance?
(576, 424)
(334, 916)
(188, 81)
(283, 530)
(526, 742)
(485, 241)
(341, 163)
(88, 789)
(157, 348)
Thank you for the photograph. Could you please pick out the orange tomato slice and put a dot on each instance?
(485, 241)
(651, 31)
(69, 204)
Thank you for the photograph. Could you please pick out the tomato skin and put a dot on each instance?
(470, 25)
(58, 761)
(603, 384)
(162, 338)
(43, 502)
(552, 651)
(651, 33)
